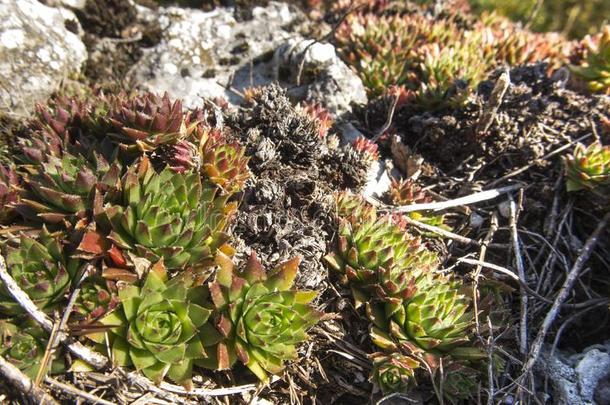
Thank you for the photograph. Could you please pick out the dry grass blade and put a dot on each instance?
(493, 226)
(443, 205)
(537, 161)
(514, 215)
(57, 327)
(450, 235)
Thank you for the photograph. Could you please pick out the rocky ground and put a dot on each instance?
(211, 54)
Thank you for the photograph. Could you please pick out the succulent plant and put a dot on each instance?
(180, 156)
(446, 73)
(157, 327)
(588, 168)
(437, 318)
(294, 135)
(508, 43)
(64, 159)
(354, 208)
(41, 268)
(377, 258)
(9, 193)
(366, 147)
(320, 115)
(223, 163)
(393, 372)
(24, 346)
(97, 297)
(260, 318)
(381, 48)
(148, 121)
(406, 192)
(68, 118)
(62, 187)
(594, 69)
(439, 57)
(459, 381)
(434, 57)
(167, 215)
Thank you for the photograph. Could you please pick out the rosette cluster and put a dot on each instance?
(417, 314)
(442, 56)
(128, 200)
(592, 67)
(588, 168)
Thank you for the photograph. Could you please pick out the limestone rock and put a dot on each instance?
(37, 51)
(316, 73)
(578, 379)
(201, 54)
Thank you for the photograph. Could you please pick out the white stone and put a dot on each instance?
(44, 55)
(334, 85)
(476, 220)
(322, 53)
(576, 378)
(378, 181)
(11, 39)
(170, 68)
(224, 31)
(73, 4)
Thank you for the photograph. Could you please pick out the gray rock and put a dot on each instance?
(591, 369)
(578, 379)
(37, 51)
(201, 53)
(349, 133)
(320, 75)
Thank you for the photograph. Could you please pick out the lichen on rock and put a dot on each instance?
(37, 52)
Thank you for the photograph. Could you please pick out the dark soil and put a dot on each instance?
(114, 38)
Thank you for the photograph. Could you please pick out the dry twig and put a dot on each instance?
(514, 215)
(75, 392)
(23, 383)
(477, 272)
(84, 353)
(495, 100)
(564, 292)
(450, 235)
(537, 161)
(58, 326)
(524, 285)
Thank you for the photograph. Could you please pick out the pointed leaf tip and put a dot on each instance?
(282, 277)
(254, 271)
